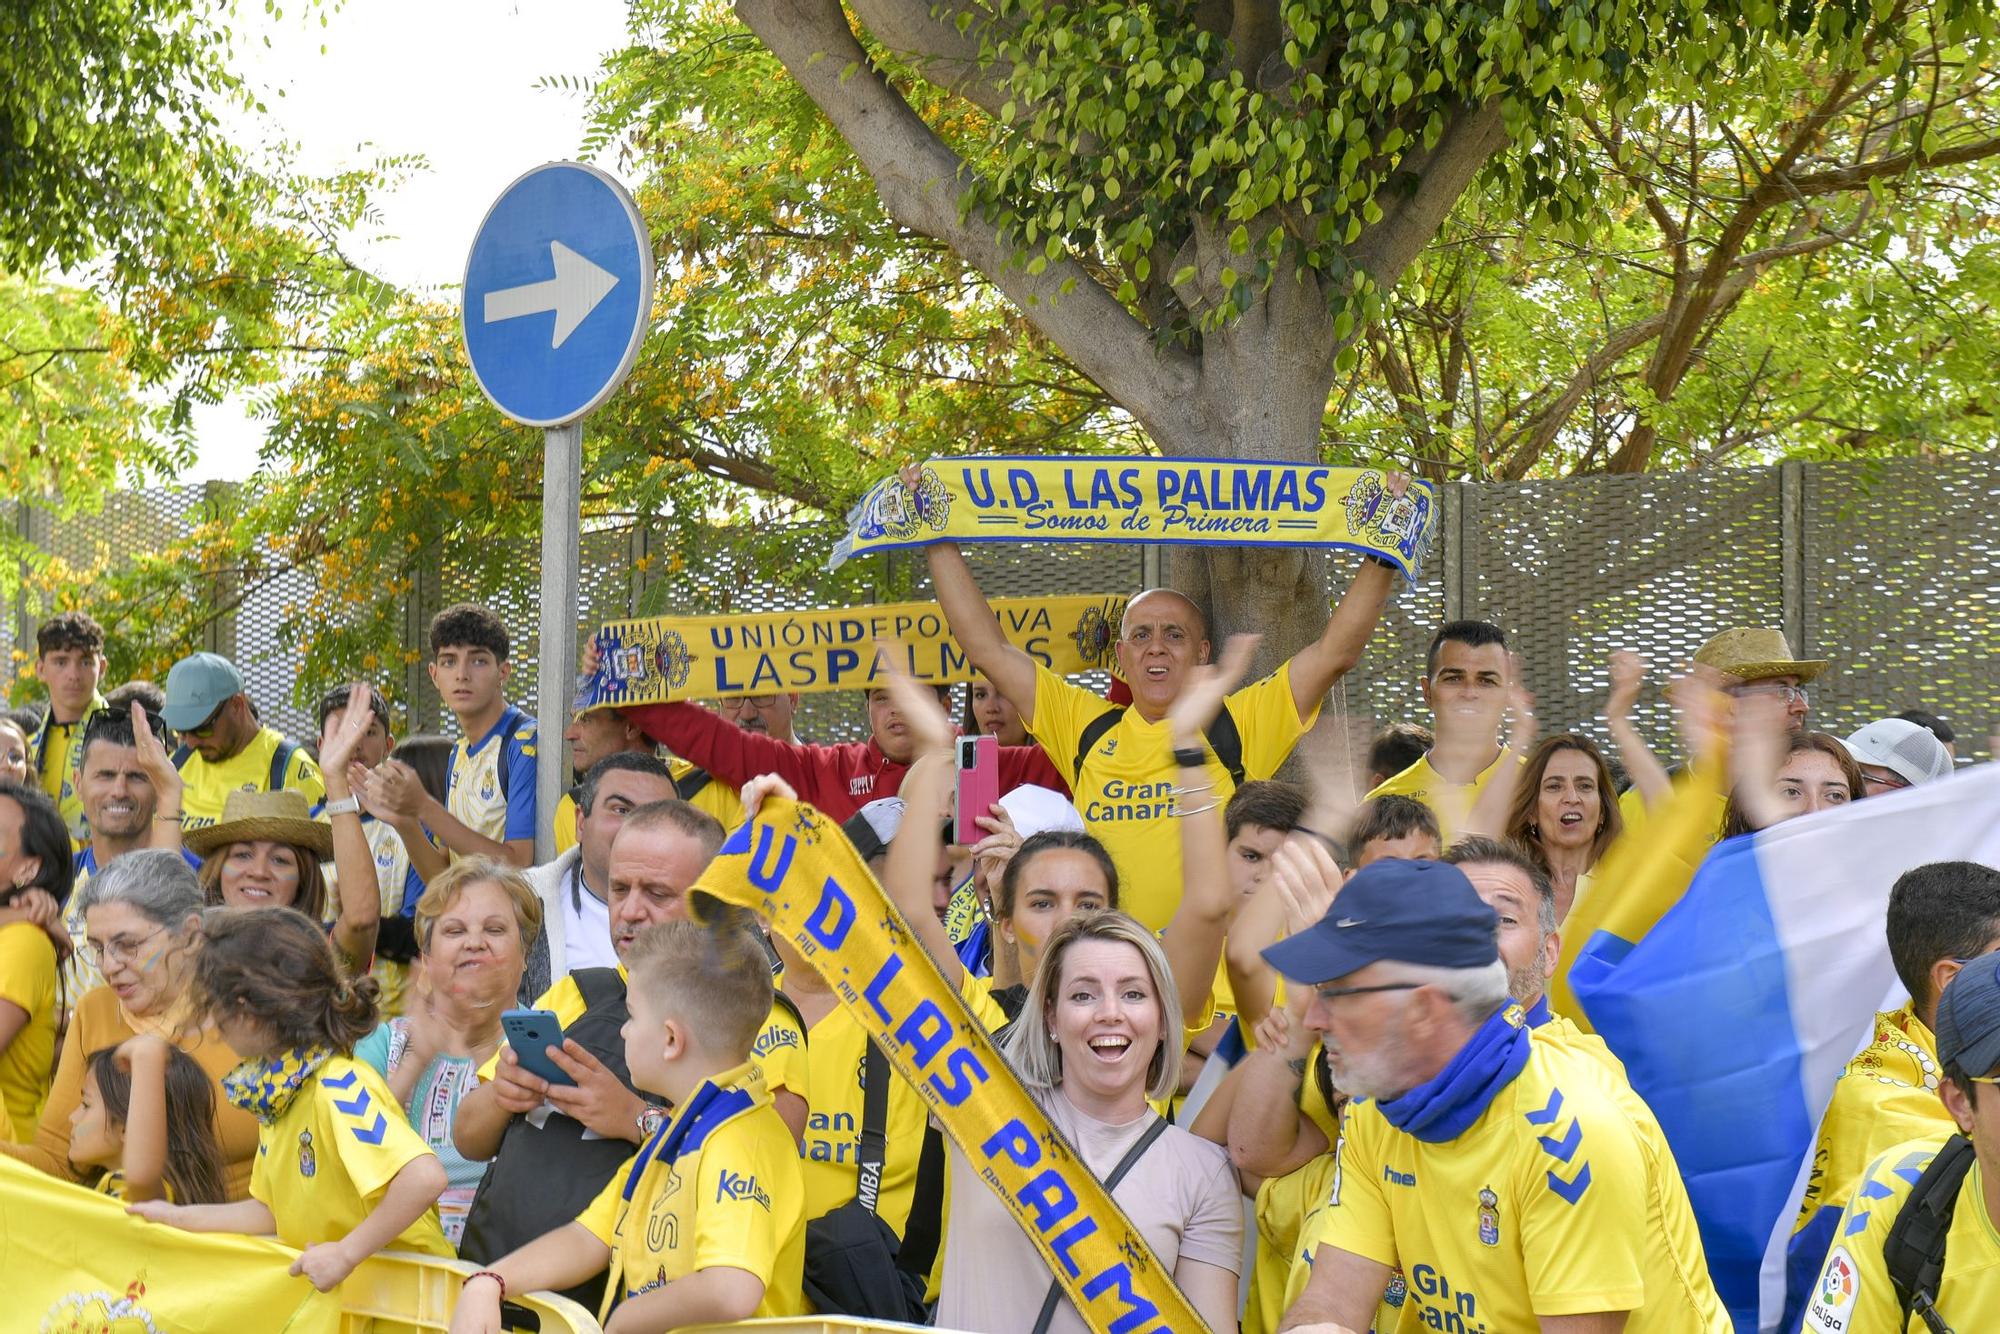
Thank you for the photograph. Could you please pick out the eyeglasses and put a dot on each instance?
(1778, 690)
(1331, 993)
(119, 949)
(1887, 782)
(754, 701)
(208, 725)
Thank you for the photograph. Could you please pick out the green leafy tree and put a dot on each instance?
(1800, 268)
(1204, 205)
(108, 137)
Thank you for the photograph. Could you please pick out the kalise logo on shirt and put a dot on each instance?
(736, 1186)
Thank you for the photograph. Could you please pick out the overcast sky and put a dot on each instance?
(453, 80)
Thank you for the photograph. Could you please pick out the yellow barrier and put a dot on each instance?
(400, 1293)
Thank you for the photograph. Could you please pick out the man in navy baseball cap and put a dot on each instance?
(1490, 1167)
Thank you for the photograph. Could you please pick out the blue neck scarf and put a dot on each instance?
(1442, 1109)
(1538, 1013)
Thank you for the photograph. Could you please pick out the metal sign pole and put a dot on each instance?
(555, 675)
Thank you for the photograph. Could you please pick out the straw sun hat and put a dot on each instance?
(283, 816)
(1756, 653)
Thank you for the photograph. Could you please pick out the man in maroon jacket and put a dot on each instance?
(838, 779)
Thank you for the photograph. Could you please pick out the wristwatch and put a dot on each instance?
(649, 1122)
(345, 806)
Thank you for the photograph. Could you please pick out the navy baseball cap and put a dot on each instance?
(1968, 1017)
(1406, 911)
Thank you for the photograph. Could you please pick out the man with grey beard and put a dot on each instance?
(1515, 1181)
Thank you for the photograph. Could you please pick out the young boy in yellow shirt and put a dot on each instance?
(706, 1224)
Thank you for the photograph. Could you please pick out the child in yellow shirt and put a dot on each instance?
(339, 1173)
(706, 1224)
(146, 1121)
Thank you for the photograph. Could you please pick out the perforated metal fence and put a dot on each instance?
(1890, 570)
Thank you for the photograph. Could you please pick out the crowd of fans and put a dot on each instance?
(255, 983)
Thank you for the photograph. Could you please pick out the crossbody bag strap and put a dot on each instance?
(874, 1127)
(1125, 1164)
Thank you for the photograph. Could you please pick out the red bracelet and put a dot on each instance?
(488, 1273)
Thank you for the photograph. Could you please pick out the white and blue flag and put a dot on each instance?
(1736, 1012)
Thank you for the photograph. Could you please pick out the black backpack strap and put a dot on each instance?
(1227, 743)
(874, 1127)
(598, 986)
(506, 735)
(691, 783)
(1125, 1164)
(1093, 732)
(281, 760)
(182, 754)
(1913, 1252)
(924, 1232)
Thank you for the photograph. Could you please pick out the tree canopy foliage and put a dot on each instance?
(1774, 241)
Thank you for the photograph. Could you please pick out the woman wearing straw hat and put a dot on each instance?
(266, 850)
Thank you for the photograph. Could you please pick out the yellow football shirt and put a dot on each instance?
(835, 1049)
(205, 786)
(708, 793)
(57, 748)
(1854, 1295)
(731, 1200)
(27, 980)
(779, 1049)
(1885, 1096)
(1451, 803)
(1562, 1198)
(565, 824)
(324, 1163)
(1124, 787)
(491, 787)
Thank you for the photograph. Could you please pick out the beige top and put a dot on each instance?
(1181, 1195)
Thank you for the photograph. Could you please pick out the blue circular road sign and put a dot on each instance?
(558, 293)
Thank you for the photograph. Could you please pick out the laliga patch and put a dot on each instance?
(1830, 1310)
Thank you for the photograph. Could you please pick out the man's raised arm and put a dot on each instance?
(1319, 664)
(977, 629)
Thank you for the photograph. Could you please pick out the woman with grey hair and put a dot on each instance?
(1097, 1045)
(142, 915)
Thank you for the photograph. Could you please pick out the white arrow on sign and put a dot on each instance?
(572, 294)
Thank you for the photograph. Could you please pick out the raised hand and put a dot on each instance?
(345, 729)
(1628, 673)
(929, 724)
(764, 786)
(1201, 698)
(1306, 878)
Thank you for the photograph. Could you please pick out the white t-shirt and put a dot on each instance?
(586, 924)
(1181, 1195)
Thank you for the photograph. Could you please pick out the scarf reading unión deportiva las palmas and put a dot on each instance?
(663, 658)
(791, 866)
(1211, 502)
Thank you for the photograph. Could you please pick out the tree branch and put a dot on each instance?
(1409, 221)
(922, 183)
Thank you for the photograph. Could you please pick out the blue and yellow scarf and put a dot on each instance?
(265, 1085)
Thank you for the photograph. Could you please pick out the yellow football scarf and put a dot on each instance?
(75, 1260)
(1203, 501)
(703, 657)
(792, 867)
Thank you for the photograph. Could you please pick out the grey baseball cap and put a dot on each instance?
(1968, 1017)
(1902, 747)
(198, 685)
